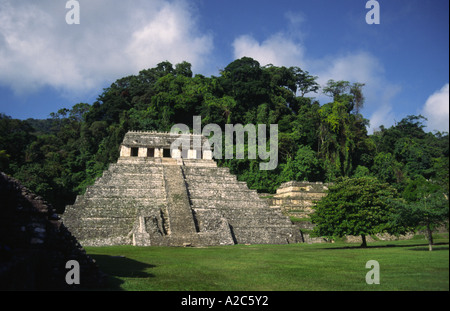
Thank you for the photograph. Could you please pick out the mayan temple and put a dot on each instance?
(155, 195)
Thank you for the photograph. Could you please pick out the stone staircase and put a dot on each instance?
(214, 191)
(179, 212)
(174, 202)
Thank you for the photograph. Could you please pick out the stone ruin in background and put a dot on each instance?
(296, 199)
(154, 195)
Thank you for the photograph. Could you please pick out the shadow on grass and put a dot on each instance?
(436, 247)
(117, 267)
(423, 246)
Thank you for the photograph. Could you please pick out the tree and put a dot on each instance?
(247, 83)
(305, 166)
(427, 206)
(184, 69)
(304, 81)
(336, 88)
(406, 150)
(342, 133)
(386, 168)
(346, 92)
(358, 97)
(356, 206)
(15, 135)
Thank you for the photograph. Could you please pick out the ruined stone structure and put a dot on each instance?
(296, 198)
(159, 195)
(35, 246)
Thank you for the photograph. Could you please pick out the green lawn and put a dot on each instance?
(404, 265)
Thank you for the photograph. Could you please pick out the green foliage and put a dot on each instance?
(408, 151)
(386, 168)
(342, 130)
(58, 157)
(432, 209)
(426, 206)
(356, 206)
(15, 135)
(305, 166)
(361, 171)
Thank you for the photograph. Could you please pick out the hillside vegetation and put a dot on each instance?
(58, 157)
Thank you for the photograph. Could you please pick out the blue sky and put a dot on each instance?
(46, 64)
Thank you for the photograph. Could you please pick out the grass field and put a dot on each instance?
(404, 265)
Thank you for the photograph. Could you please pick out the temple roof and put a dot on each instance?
(153, 139)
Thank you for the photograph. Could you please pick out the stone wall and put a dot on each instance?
(296, 198)
(34, 244)
(161, 145)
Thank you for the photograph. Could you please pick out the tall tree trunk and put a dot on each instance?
(364, 243)
(430, 237)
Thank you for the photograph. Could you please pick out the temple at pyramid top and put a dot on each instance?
(161, 145)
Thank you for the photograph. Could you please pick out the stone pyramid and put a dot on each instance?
(157, 196)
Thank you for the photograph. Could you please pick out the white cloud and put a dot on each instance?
(114, 38)
(436, 110)
(168, 36)
(283, 49)
(382, 106)
(353, 66)
(278, 50)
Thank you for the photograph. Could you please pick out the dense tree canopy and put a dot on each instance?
(58, 157)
